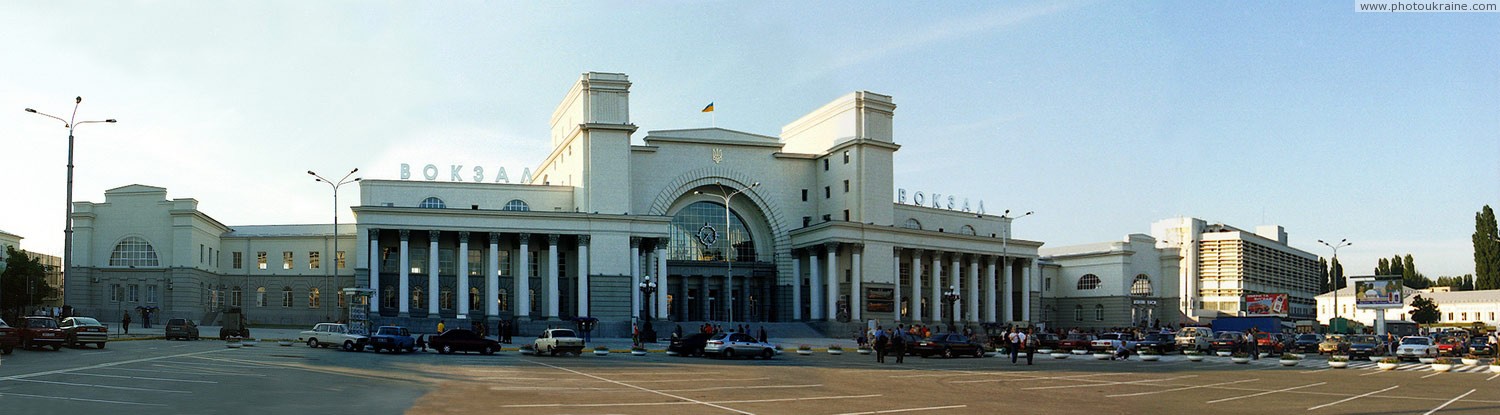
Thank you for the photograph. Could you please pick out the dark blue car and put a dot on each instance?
(394, 338)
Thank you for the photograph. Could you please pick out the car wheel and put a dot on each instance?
(446, 349)
(978, 352)
(488, 350)
(56, 347)
(312, 342)
(728, 353)
(768, 354)
(101, 345)
(375, 349)
(7, 350)
(948, 353)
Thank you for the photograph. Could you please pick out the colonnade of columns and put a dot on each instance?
(990, 295)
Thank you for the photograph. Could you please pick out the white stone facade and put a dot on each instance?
(1454, 307)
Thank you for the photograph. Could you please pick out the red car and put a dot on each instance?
(1075, 341)
(1451, 346)
(42, 331)
(10, 337)
(1269, 343)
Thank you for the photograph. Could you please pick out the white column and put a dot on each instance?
(972, 301)
(660, 308)
(492, 278)
(896, 294)
(856, 298)
(1026, 290)
(1005, 293)
(432, 273)
(955, 280)
(989, 290)
(553, 297)
(404, 302)
(816, 286)
(463, 275)
(583, 275)
(832, 278)
(635, 276)
(522, 305)
(916, 286)
(374, 271)
(935, 296)
(796, 286)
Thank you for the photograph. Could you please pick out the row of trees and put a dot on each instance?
(23, 282)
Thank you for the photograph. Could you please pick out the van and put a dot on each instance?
(1195, 338)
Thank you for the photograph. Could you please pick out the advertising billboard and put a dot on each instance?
(1383, 291)
(1265, 305)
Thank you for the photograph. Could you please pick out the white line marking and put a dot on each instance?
(1136, 382)
(813, 398)
(180, 372)
(1376, 372)
(1445, 404)
(110, 364)
(1070, 377)
(1267, 392)
(1352, 398)
(99, 386)
(557, 405)
(69, 398)
(696, 380)
(1433, 374)
(141, 378)
(1497, 375)
(1316, 371)
(715, 388)
(1180, 389)
(645, 389)
(892, 411)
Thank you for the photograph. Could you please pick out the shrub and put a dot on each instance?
(804, 347)
(1445, 361)
(1240, 354)
(1389, 360)
(601, 348)
(1289, 356)
(1193, 352)
(835, 347)
(1338, 358)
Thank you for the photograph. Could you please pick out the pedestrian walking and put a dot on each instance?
(441, 327)
(882, 339)
(1031, 344)
(1254, 345)
(422, 341)
(763, 337)
(125, 322)
(898, 346)
(1017, 340)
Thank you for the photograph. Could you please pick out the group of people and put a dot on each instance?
(889, 341)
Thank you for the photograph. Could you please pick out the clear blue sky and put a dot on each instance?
(1100, 116)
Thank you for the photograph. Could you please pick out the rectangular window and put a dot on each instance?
(340, 256)
(476, 262)
(286, 298)
(314, 298)
(827, 192)
(804, 195)
(447, 262)
(239, 260)
(825, 164)
(846, 156)
(846, 186)
(534, 262)
(151, 294)
(827, 218)
(389, 259)
(1078, 314)
(235, 296)
(200, 253)
(846, 215)
(116, 293)
(313, 260)
(260, 297)
(134, 294)
(286, 259)
(806, 221)
(260, 259)
(505, 265)
(417, 260)
(1099, 313)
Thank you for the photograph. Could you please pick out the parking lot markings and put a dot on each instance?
(1181, 388)
(128, 388)
(1267, 392)
(715, 388)
(645, 389)
(71, 398)
(1025, 378)
(1351, 398)
(1450, 401)
(1497, 375)
(141, 378)
(892, 411)
(1105, 383)
(1433, 374)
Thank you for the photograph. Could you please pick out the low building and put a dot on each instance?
(1111, 284)
(1459, 308)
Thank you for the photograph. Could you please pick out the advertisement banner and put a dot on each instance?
(1265, 305)
(1383, 291)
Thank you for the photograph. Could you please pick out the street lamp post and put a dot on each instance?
(648, 287)
(1005, 251)
(728, 246)
(950, 296)
(335, 185)
(70, 124)
(1333, 281)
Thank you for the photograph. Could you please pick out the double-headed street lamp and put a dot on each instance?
(648, 287)
(729, 246)
(1333, 280)
(950, 296)
(1004, 251)
(335, 185)
(70, 124)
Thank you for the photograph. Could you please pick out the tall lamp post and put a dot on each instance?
(950, 296)
(728, 246)
(648, 287)
(70, 124)
(335, 185)
(1334, 279)
(1004, 255)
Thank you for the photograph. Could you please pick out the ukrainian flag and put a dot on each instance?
(709, 108)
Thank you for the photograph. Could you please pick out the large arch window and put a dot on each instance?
(1088, 282)
(966, 230)
(517, 205)
(432, 203)
(912, 224)
(134, 252)
(698, 235)
(1141, 287)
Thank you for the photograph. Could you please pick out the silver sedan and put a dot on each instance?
(732, 345)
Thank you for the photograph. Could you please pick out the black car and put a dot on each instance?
(1046, 340)
(1366, 345)
(462, 340)
(1161, 343)
(1480, 346)
(692, 345)
(1307, 342)
(948, 345)
(181, 328)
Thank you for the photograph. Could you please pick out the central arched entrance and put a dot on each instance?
(703, 251)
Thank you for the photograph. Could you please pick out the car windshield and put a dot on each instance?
(85, 321)
(390, 331)
(1229, 335)
(1307, 337)
(1416, 340)
(1334, 339)
(41, 323)
(1362, 339)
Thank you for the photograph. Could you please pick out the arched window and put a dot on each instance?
(698, 234)
(286, 297)
(314, 298)
(416, 297)
(133, 252)
(432, 203)
(1099, 312)
(475, 299)
(1078, 312)
(1141, 287)
(966, 230)
(517, 205)
(388, 297)
(912, 224)
(260, 296)
(1088, 282)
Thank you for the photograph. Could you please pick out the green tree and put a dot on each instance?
(1424, 311)
(1486, 251)
(1336, 273)
(23, 282)
(1398, 266)
(1469, 282)
(1383, 267)
(1323, 281)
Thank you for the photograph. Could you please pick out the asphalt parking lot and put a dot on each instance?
(156, 377)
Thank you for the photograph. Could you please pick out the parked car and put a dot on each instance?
(1161, 343)
(1451, 346)
(84, 330)
(334, 334)
(1195, 338)
(1334, 344)
(732, 345)
(557, 341)
(948, 345)
(1232, 341)
(1047, 340)
(1366, 345)
(41, 332)
(1480, 346)
(691, 345)
(10, 337)
(463, 340)
(911, 341)
(1075, 341)
(394, 338)
(181, 328)
(1113, 341)
(1414, 347)
(1307, 342)
(1269, 343)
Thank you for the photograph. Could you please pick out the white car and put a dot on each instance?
(334, 334)
(1414, 347)
(1195, 338)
